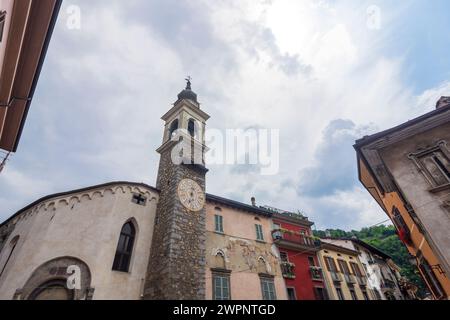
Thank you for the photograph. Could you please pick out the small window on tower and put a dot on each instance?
(2, 24)
(139, 199)
(173, 128)
(191, 128)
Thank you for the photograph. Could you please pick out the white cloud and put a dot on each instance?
(289, 65)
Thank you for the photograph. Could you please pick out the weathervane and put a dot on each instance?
(188, 85)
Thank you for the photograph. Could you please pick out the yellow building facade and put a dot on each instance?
(343, 273)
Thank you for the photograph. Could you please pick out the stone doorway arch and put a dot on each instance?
(50, 281)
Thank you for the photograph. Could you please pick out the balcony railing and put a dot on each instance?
(335, 276)
(316, 273)
(295, 237)
(287, 269)
(388, 284)
(362, 281)
(349, 278)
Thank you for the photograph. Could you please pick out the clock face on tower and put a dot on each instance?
(191, 195)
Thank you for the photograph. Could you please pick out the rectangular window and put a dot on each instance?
(311, 262)
(291, 294)
(431, 279)
(2, 23)
(268, 289)
(353, 294)
(377, 294)
(284, 257)
(434, 164)
(218, 221)
(365, 295)
(331, 266)
(339, 294)
(259, 232)
(320, 293)
(221, 286)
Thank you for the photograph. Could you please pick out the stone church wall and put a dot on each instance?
(84, 226)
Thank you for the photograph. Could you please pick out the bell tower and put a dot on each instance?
(176, 268)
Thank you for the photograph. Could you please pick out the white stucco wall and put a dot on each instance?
(86, 226)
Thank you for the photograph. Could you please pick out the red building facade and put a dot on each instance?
(298, 252)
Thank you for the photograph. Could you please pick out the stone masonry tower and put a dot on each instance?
(176, 268)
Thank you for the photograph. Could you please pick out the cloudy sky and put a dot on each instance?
(322, 72)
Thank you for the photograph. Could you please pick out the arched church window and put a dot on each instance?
(12, 246)
(124, 248)
(191, 128)
(173, 128)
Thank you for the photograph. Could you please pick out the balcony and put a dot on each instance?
(362, 281)
(316, 273)
(335, 276)
(287, 270)
(294, 240)
(349, 278)
(388, 284)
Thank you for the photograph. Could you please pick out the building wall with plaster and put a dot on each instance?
(84, 226)
(243, 253)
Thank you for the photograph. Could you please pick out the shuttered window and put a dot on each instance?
(218, 221)
(221, 286)
(259, 232)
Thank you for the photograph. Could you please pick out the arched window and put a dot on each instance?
(12, 246)
(191, 128)
(173, 127)
(219, 260)
(262, 265)
(124, 248)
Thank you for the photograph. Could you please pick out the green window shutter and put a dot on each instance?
(259, 232)
(218, 221)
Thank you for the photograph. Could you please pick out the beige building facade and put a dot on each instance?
(343, 272)
(240, 253)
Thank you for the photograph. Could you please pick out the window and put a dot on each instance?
(191, 127)
(221, 286)
(311, 262)
(259, 232)
(402, 227)
(331, 266)
(268, 289)
(291, 294)
(434, 163)
(339, 294)
(365, 295)
(2, 24)
(218, 221)
(353, 294)
(431, 279)
(284, 257)
(139, 199)
(173, 128)
(377, 294)
(12, 246)
(124, 248)
(320, 293)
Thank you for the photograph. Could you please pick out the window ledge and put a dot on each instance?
(260, 241)
(440, 188)
(221, 233)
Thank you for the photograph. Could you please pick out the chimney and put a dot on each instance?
(253, 201)
(443, 102)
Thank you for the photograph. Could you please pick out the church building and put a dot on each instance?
(128, 240)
